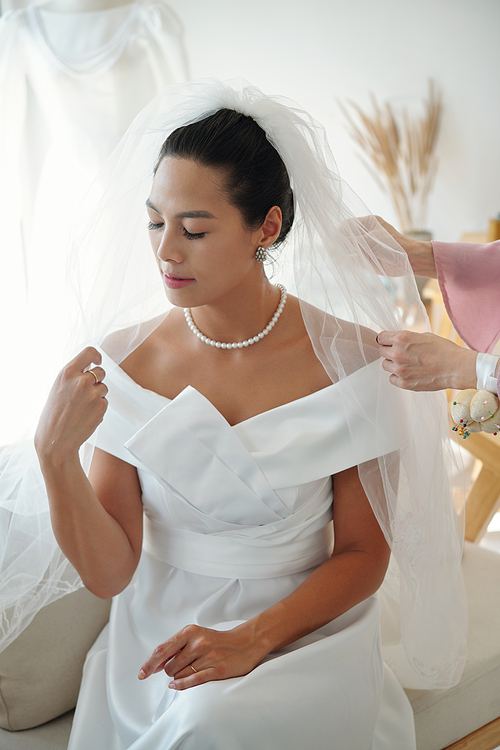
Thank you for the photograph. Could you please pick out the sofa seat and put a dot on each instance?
(443, 717)
(51, 736)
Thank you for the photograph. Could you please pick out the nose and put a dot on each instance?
(168, 249)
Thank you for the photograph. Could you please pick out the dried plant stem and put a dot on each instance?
(401, 154)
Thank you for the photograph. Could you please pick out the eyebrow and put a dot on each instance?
(185, 214)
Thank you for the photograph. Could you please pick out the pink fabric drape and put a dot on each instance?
(469, 277)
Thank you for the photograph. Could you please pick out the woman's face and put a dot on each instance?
(204, 250)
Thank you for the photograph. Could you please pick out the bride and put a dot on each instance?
(252, 465)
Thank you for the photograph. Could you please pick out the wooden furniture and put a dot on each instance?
(483, 499)
(486, 738)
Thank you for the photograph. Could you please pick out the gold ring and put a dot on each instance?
(194, 670)
(95, 376)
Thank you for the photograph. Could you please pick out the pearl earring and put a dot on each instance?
(261, 254)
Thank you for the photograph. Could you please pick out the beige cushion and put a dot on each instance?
(40, 672)
(51, 736)
(446, 716)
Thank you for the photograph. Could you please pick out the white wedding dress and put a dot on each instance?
(235, 519)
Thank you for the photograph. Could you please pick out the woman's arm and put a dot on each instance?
(468, 277)
(98, 526)
(420, 253)
(354, 572)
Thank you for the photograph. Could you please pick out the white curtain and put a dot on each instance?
(70, 84)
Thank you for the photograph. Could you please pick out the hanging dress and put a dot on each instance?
(70, 85)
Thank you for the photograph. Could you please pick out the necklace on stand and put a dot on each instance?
(239, 344)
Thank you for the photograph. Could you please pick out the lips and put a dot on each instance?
(176, 282)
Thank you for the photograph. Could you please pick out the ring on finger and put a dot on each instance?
(95, 377)
(193, 668)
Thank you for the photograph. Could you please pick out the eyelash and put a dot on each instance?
(187, 235)
(190, 236)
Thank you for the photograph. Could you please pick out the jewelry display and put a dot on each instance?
(239, 344)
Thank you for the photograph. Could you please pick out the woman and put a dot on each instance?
(225, 425)
(468, 276)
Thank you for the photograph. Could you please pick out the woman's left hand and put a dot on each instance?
(196, 655)
(420, 253)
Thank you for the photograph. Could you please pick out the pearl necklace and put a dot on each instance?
(239, 344)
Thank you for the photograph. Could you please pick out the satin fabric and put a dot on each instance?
(235, 519)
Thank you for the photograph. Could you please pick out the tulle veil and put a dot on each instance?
(346, 272)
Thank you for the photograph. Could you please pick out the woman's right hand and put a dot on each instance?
(75, 407)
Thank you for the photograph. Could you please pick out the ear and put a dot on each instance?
(271, 228)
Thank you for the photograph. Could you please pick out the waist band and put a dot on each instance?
(236, 556)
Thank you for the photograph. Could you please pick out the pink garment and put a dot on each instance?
(469, 277)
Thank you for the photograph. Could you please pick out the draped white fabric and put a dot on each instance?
(216, 553)
(70, 84)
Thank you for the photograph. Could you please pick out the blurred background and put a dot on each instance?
(321, 51)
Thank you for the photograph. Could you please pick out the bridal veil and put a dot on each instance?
(345, 271)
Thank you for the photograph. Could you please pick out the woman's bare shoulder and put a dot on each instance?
(324, 325)
(120, 344)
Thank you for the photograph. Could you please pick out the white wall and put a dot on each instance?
(316, 51)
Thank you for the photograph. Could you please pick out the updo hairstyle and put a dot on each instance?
(256, 178)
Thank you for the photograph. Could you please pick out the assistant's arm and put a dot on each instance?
(355, 571)
(420, 253)
(469, 276)
(97, 523)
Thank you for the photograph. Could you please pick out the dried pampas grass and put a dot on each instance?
(401, 153)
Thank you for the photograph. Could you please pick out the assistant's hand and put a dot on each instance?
(420, 253)
(426, 362)
(213, 654)
(74, 409)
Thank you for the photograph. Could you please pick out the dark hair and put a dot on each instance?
(256, 177)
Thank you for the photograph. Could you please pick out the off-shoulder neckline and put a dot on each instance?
(155, 394)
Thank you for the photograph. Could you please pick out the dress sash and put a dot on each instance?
(236, 556)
